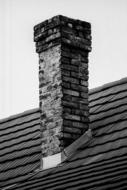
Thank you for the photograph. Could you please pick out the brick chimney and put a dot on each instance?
(63, 45)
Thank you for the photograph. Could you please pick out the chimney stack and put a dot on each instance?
(63, 45)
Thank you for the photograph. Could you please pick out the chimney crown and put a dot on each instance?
(70, 31)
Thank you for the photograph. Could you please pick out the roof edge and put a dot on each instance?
(22, 114)
(107, 85)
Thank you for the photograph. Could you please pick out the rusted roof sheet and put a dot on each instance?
(100, 164)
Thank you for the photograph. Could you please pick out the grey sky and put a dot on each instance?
(19, 62)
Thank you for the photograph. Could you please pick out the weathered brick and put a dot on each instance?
(70, 25)
(75, 74)
(52, 37)
(83, 76)
(44, 96)
(65, 60)
(70, 92)
(84, 59)
(66, 54)
(72, 117)
(84, 83)
(67, 110)
(83, 71)
(84, 65)
(45, 46)
(79, 75)
(77, 42)
(66, 84)
(83, 106)
(67, 97)
(63, 45)
(79, 88)
(68, 136)
(65, 72)
(70, 79)
(71, 136)
(72, 130)
(84, 95)
(75, 62)
(83, 53)
(69, 67)
(85, 119)
(80, 99)
(80, 125)
(70, 104)
(80, 112)
(67, 122)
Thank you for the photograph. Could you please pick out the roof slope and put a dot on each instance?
(19, 146)
(99, 164)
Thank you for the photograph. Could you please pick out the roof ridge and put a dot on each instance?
(108, 85)
(22, 114)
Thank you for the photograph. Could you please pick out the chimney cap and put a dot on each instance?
(57, 21)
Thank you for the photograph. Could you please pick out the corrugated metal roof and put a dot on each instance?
(101, 164)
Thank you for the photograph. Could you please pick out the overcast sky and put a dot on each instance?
(19, 62)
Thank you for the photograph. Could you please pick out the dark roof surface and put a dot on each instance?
(99, 164)
(19, 146)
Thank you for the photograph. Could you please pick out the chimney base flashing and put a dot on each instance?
(51, 161)
(56, 159)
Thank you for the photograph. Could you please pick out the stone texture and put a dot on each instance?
(63, 45)
(50, 99)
